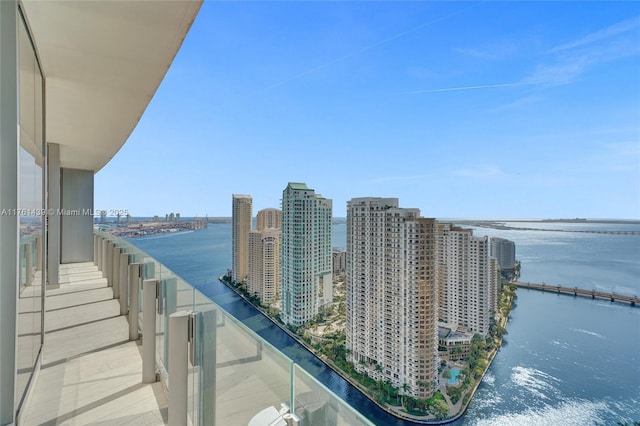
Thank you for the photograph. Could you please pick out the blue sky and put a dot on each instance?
(479, 109)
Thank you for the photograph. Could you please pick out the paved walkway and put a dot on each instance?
(91, 373)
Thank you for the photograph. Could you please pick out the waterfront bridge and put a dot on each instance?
(575, 291)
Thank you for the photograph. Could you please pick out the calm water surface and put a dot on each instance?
(565, 360)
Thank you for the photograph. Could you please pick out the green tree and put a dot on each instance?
(405, 390)
(440, 409)
(378, 369)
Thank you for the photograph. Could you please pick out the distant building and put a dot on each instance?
(306, 253)
(392, 305)
(339, 261)
(269, 218)
(505, 251)
(241, 225)
(264, 278)
(177, 217)
(494, 279)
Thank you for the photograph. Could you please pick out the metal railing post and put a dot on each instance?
(105, 257)
(115, 271)
(123, 282)
(149, 294)
(95, 249)
(100, 239)
(178, 367)
(134, 288)
(106, 265)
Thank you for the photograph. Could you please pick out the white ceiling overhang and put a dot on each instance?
(103, 61)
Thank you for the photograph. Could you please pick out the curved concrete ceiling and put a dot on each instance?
(103, 61)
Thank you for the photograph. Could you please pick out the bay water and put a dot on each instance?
(565, 360)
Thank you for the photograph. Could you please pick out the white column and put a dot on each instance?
(115, 271)
(124, 282)
(95, 250)
(105, 257)
(149, 289)
(76, 196)
(109, 267)
(134, 288)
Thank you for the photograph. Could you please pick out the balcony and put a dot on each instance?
(200, 366)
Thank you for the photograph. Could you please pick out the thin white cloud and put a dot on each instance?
(603, 34)
(494, 51)
(478, 173)
(519, 103)
(559, 73)
(569, 67)
(484, 86)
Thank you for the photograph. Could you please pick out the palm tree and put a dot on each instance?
(405, 389)
(378, 369)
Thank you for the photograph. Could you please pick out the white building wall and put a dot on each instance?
(465, 279)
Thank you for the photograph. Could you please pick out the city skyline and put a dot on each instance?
(522, 110)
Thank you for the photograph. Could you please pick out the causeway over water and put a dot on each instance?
(575, 291)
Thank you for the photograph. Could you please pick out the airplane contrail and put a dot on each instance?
(486, 86)
(366, 48)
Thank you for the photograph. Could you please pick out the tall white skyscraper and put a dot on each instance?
(468, 282)
(241, 225)
(306, 253)
(391, 325)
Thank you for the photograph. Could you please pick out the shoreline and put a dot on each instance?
(327, 362)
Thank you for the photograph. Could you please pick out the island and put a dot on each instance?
(464, 357)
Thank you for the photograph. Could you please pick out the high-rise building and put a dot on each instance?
(339, 261)
(241, 226)
(269, 218)
(391, 325)
(264, 276)
(306, 253)
(466, 282)
(505, 251)
(494, 280)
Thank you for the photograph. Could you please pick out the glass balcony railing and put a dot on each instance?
(234, 376)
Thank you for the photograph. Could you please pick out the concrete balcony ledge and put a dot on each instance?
(91, 373)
